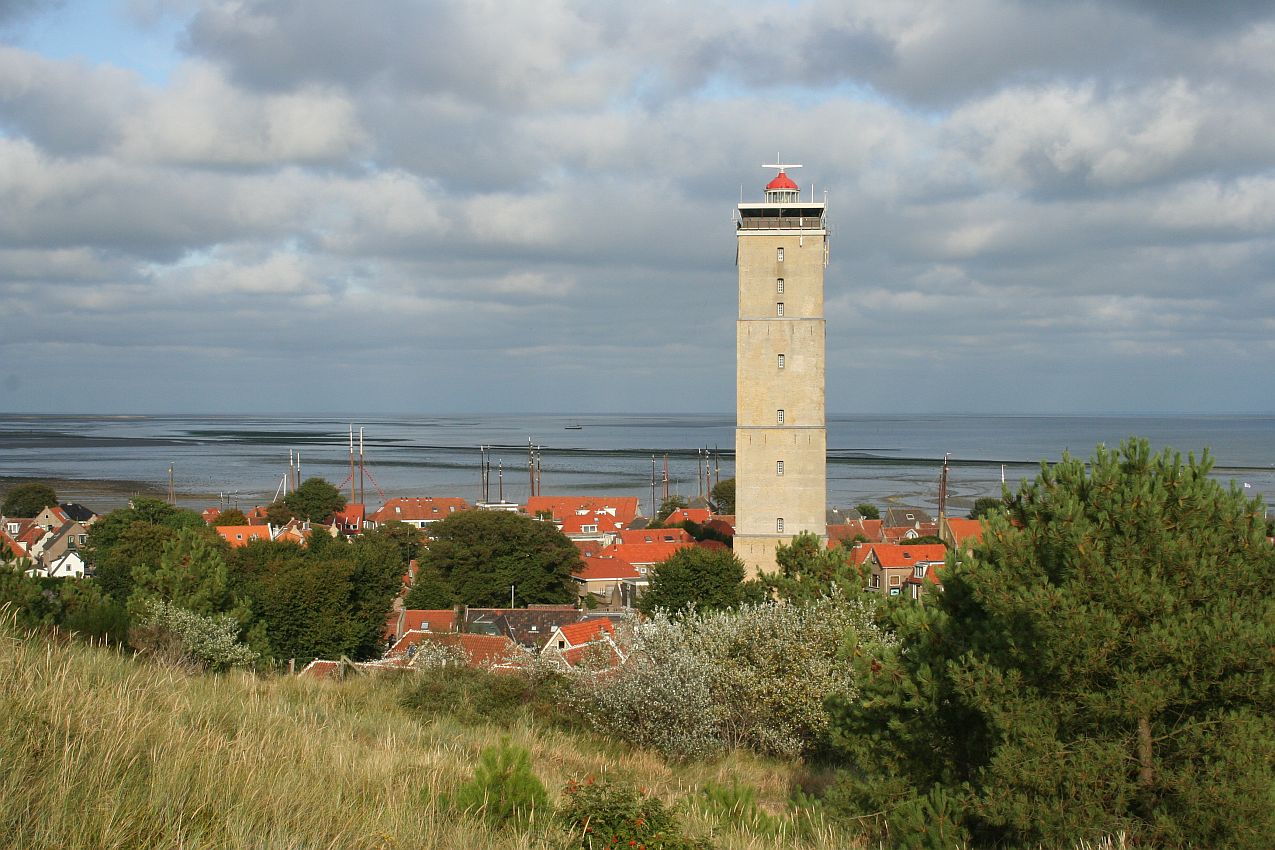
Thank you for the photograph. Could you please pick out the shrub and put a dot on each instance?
(503, 790)
(614, 814)
(736, 805)
(479, 696)
(757, 678)
(1100, 663)
(174, 634)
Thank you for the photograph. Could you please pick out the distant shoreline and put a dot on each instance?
(103, 495)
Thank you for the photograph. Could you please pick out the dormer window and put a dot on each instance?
(919, 572)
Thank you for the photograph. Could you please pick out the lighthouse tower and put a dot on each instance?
(781, 438)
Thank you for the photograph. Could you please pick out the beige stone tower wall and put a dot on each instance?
(764, 387)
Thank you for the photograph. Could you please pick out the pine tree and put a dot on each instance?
(1101, 663)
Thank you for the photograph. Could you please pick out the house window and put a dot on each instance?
(779, 416)
(895, 581)
(874, 581)
(779, 286)
(588, 529)
(779, 308)
(919, 571)
(779, 467)
(561, 643)
(779, 255)
(781, 361)
(779, 525)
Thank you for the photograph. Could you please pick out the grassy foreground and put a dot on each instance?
(100, 750)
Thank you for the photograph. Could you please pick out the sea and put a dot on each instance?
(243, 460)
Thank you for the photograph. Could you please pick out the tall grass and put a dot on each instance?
(100, 750)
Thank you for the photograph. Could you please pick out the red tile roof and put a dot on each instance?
(895, 555)
(656, 535)
(429, 620)
(696, 515)
(640, 554)
(623, 508)
(479, 649)
(242, 535)
(965, 531)
(422, 509)
(870, 529)
(593, 522)
(588, 547)
(603, 569)
(578, 634)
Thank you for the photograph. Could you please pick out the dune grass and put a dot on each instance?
(101, 750)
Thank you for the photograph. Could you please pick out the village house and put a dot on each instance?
(890, 564)
(241, 535)
(601, 578)
(420, 512)
(621, 509)
(962, 534)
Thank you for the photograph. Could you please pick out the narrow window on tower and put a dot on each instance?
(779, 467)
(779, 416)
(779, 286)
(781, 361)
(779, 308)
(779, 255)
(779, 525)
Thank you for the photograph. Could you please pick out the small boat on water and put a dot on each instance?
(574, 426)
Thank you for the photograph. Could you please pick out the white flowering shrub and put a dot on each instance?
(757, 677)
(179, 635)
(430, 655)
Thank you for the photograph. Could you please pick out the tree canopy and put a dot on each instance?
(480, 554)
(231, 516)
(1100, 663)
(985, 506)
(672, 503)
(710, 578)
(27, 500)
(868, 511)
(723, 496)
(314, 499)
(808, 570)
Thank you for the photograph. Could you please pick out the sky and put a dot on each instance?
(501, 206)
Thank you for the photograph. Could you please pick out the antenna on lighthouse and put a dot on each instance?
(780, 164)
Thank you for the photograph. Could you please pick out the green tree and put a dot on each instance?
(27, 500)
(131, 536)
(408, 539)
(808, 570)
(137, 547)
(191, 574)
(672, 503)
(431, 590)
(231, 516)
(723, 496)
(315, 499)
(868, 511)
(482, 553)
(985, 506)
(711, 579)
(1100, 663)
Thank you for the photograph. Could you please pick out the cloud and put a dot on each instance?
(529, 204)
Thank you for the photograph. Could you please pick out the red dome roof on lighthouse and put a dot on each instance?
(781, 182)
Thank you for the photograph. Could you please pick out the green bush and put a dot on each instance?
(503, 790)
(1100, 663)
(736, 805)
(475, 697)
(174, 634)
(757, 678)
(615, 814)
